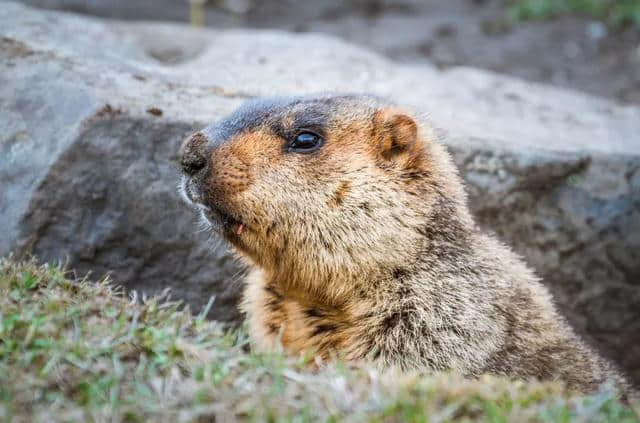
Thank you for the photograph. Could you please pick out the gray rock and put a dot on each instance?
(93, 113)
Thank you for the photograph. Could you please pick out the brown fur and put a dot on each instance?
(365, 248)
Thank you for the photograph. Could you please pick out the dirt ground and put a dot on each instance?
(574, 52)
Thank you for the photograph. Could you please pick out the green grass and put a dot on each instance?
(614, 12)
(80, 351)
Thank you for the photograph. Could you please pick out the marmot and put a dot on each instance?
(355, 225)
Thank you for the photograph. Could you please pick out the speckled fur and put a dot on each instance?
(365, 249)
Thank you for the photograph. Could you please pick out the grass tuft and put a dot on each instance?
(79, 351)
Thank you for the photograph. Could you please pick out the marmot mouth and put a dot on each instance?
(231, 223)
(227, 223)
(217, 218)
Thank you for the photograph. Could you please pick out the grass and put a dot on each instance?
(614, 12)
(80, 351)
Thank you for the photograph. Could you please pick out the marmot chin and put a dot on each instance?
(355, 225)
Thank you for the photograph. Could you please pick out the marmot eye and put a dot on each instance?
(305, 142)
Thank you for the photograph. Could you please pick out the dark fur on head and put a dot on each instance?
(305, 111)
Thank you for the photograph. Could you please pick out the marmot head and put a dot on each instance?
(318, 188)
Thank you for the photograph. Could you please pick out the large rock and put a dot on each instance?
(93, 114)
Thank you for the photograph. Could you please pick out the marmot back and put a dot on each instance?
(355, 224)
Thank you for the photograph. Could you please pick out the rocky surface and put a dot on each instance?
(578, 52)
(93, 113)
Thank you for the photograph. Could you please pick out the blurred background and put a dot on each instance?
(588, 45)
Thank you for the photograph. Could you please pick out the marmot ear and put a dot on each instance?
(396, 137)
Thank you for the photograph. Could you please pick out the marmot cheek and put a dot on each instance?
(340, 194)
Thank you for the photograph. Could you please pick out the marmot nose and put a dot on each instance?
(192, 164)
(194, 154)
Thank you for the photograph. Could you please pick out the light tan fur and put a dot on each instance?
(365, 248)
